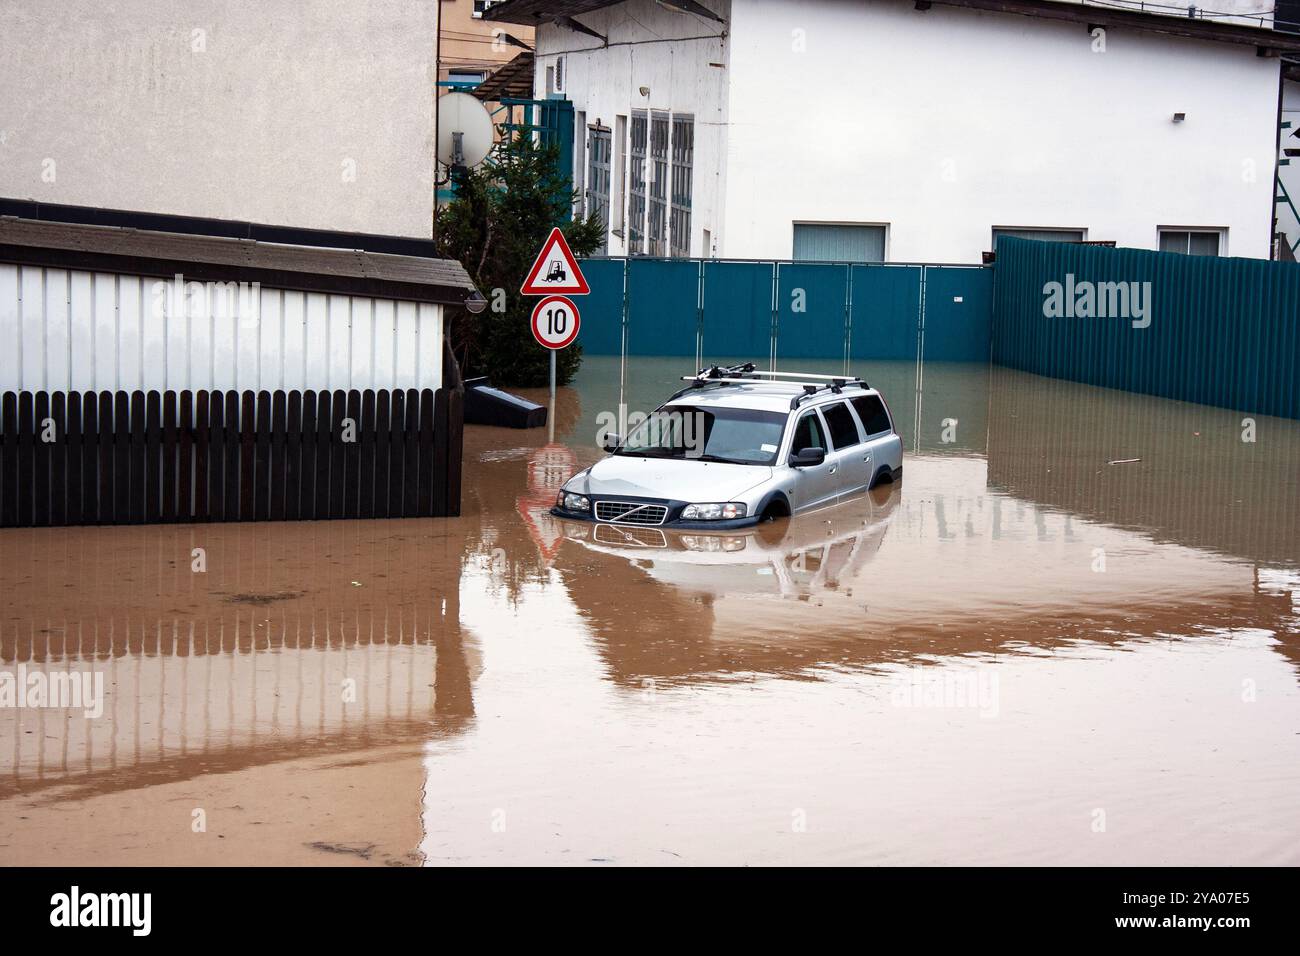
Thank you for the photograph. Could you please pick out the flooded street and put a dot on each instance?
(1069, 635)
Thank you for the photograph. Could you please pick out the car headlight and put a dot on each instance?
(571, 502)
(714, 511)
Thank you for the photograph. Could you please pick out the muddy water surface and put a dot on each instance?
(1021, 653)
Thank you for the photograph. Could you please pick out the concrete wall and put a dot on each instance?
(946, 123)
(64, 330)
(668, 52)
(317, 113)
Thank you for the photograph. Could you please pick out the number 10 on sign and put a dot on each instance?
(555, 322)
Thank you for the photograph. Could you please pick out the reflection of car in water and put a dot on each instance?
(811, 553)
(737, 447)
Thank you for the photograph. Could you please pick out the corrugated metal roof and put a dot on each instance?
(209, 258)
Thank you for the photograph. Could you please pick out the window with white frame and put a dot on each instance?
(480, 7)
(1192, 242)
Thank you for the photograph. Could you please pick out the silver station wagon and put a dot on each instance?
(738, 446)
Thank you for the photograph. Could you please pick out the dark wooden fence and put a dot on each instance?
(72, 458)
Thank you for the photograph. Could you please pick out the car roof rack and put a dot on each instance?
(747, 374)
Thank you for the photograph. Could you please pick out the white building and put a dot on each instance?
(916, 131)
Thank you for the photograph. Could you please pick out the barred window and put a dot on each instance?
(683, 171)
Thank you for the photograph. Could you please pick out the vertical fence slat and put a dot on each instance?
(9, 484)
(352, 453)
(292, 454)
(41, 461)
(366, 507)
(232, 483)
(92, 458)
(262, 473)
(121, 436)
(278, 475)
(248, 458)
(153, 457)
(136, 458)
(338, 485)
(411, 437)
(216, 457)
(382, 428)
(26, 440)
(424, 491)
(322, 465)
(74, 441)
(194, 431)
(307, 457)
(396, 453)
(170, 457)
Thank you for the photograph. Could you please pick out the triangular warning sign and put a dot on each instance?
(556, 270)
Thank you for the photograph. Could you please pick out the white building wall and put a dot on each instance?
(674, 56)
(946, 123)
(315, 113)
(66, 330)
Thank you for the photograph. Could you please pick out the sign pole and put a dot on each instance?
(550, 415)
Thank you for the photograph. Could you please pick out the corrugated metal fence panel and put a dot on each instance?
(886, 312)
(663, 306)
(812, 313)
(62, 330)
(1221, 331)
(737, 311)
(824, 310)
(958, 306)
(601, 330)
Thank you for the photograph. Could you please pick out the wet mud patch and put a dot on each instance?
(262, 599)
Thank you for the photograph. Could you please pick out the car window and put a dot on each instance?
(872, 412)
(844, 430)
(808, 434)
(745, 436)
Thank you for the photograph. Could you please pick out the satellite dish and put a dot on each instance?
(465, 132)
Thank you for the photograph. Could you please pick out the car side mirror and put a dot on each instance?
(612, 441)
(808, 457)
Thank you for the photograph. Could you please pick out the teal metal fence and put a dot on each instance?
(1222, 332)
(775, 313)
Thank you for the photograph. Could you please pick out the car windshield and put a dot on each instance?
(743, 436)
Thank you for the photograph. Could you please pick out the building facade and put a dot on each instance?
(321, 118)
(879, 130)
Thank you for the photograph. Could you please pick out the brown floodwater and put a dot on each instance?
(1070, 635)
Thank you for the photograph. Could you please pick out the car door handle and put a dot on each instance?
(832, 471)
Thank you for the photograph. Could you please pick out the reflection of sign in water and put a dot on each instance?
(549, 467)
(555, 270)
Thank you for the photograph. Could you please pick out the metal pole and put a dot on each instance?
(550, 415)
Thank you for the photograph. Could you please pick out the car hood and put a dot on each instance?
(673, 478)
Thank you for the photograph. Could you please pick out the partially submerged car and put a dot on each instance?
(738, 446)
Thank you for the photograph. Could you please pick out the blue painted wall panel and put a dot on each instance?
(957, 331)
(601, 331)
(886, 312)
(811, 314)
(663, 306)
(737, 311)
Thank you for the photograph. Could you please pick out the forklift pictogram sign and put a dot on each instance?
(555, 271)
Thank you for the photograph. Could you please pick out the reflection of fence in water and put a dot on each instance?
(1197, 483)
(179, 687)
(243, 663)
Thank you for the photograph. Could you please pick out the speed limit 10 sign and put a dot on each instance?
(555, 322)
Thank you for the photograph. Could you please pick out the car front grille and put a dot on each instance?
(631, 512)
